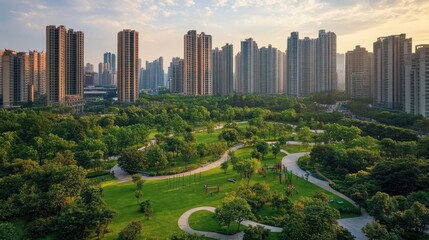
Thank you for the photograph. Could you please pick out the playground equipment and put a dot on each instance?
(262, 171)
(209, 188)
(290, 188)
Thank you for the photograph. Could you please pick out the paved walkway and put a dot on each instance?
(183, 223)
(354, 225)
(124, 176)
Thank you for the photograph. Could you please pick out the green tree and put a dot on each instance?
(246, 167)
(382, 206)
(146, 209)
(136, 177)
(281, 203)
(376, 231)
(256, 233)
(86, 216)
(275, 149)
(311, 219)
(131, 231)
(188, 152)
(133, 160)
(339, 133)
(233, 208)
(230, 135)
(263, 148)
(8, 232)
(359, 194)
(224, 166)
(139, 184)
(138, 194)
(157, 158)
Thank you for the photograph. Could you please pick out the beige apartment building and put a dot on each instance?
(358, 73)
(128, 55)
(197, 64)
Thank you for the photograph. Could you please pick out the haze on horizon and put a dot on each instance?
(162, 23)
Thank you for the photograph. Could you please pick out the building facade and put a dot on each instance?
(175, 75)
(223, 75)
(38, 72)
(65, 67)
(326, 62)
(311, 64)
(152, 76)
(197, 65)
(389, 71)
(358, 73)
(417, 81)
(247, 67)
(128, 49)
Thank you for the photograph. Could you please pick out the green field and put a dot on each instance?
(297, 148)
(171, 198)
(206, 221)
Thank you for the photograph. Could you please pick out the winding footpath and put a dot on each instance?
(184, 225)
(354, 225)
(123, 176)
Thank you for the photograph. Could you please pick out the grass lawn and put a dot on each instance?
(207, 138)
(297, 148)
(206, 221)
(171, 198)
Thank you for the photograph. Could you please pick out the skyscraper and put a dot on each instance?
(38, 72)
(65, 67)
(223, 76)
(128, 48)
(107, 70)
(307, 69)
(197, 67)
(417, 81)
(311, 64)
(175, 75)
(152, 77)
(15, 78)
(389, 70)
(271, 66)
(358, 73)
(55, 64)
(326, 62)
(110, 58)
(293, 64)
(74, 63)
(341, 71)
(248, 67)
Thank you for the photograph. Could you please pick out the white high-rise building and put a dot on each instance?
(223, 70)
(326, 62)
(417, 81)
(175, 75)
(389, 71)
(341, 71)
(248, 67)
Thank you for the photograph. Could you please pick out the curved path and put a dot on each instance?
(354, 225)
(123, 176)
(183, 223)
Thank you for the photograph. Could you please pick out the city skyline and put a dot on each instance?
(162, 23)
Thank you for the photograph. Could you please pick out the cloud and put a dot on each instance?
(189, 3)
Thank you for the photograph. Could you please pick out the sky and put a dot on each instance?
(162, 23)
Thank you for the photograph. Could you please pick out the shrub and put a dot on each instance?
(131, 231)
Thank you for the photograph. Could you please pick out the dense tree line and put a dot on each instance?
(402, 120)
(387, 177)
